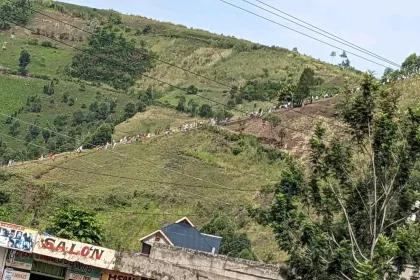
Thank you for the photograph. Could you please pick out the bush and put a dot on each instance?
(236, 150)
(102, 135)
(48, 44)
(192, 89)
(65, 98)
(130, 109)
(35, 105)
(205, 111)
(49, 89)
(33, 42)
(147, 28)
(4, 198)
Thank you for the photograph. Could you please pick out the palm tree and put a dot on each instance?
(333, 55)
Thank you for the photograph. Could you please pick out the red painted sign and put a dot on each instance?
(74, 251)
(60, 246)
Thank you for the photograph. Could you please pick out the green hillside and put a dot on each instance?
(61, 98)
(249, 66)
(206, 154)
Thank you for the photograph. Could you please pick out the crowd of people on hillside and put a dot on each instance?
(182, 128)
(130, 139)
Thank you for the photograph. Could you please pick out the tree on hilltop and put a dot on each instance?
(333, 55)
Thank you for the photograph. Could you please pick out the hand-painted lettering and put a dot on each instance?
(61, 247)
(85, 251)
(48, 243)
(96, 254)
(72, 251)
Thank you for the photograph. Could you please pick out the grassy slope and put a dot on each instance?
(188, 48)
(155, 118)
(202, 154)
(16, 90)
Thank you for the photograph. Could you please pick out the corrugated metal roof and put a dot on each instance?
(185, 236)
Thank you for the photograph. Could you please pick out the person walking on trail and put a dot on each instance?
(51, 156)
(114, 143)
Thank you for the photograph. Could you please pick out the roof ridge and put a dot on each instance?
(211, 235)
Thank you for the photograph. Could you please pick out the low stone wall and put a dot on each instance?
(220, 265)
(147, 267)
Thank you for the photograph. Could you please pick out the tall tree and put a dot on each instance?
(387, 74)
(24, 60)
(5, 12)
(343, 55)
(303, 89)
(348, 218)
(130, 110)
(411, 64)
(181, 104)
(16, 11)
(75, 223)
(333, 55)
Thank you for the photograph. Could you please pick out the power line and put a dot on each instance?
(210, 201)
(125, 177)
(347, 43)
(147, 76)
(144, 75)
(181, 68)
(299, 32)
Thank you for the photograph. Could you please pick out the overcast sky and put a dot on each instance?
(384, 27)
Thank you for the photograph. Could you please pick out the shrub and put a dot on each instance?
(192, 89)
(236, 150)
(33, 42)
(47, 44)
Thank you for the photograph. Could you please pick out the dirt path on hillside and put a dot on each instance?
(296, 128)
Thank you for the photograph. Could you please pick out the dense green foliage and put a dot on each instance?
(234, 244)
(111, 58)
(259, 90)
(348, 218)
(74, 223)
(304, 86)
(24, 60)
(411, 65)
(18, 12)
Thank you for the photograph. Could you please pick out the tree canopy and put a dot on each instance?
(24, 60)
(16, 11)
(234, 244)
(347, 218)
(304, 86)
(111, 58)
(75, 223)
(411, 64)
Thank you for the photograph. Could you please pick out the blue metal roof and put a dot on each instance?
(186, 236)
